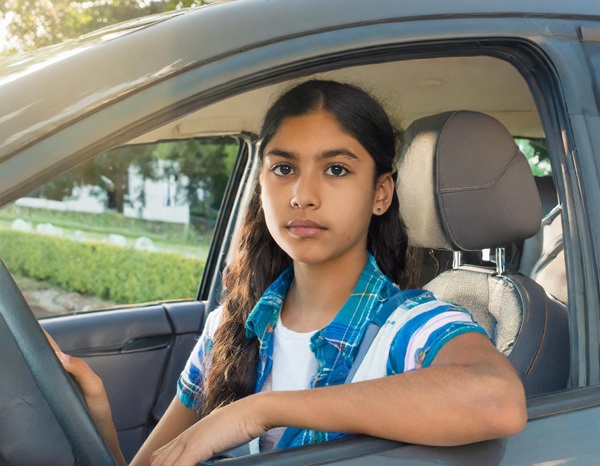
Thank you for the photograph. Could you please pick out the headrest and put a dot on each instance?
(464, 185)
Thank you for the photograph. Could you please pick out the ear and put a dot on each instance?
(384, 192)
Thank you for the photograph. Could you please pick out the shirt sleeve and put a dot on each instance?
(419, 340)
(190, 383)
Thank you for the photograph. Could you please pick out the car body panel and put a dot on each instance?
(274, 56)
(107, 73)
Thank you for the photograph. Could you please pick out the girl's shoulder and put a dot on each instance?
(213, 321)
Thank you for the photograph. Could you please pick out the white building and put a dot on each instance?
(163, 202)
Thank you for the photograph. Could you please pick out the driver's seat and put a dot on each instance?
(463, 186)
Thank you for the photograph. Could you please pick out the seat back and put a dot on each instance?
(533, 247)
(465, 186)
(550, 268)
(542, 256)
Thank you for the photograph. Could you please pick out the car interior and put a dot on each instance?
(487, 232)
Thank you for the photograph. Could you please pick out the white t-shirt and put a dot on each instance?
(294, 364)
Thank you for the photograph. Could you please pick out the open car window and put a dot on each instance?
(151, 205)
(133, 225)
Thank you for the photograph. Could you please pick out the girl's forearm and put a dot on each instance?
(441, 405)
(399, 408)
(109, 434)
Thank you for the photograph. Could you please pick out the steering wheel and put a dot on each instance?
(44, 416)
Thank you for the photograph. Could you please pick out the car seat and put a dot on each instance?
(542, 256)
(464, 186)
(550, 270)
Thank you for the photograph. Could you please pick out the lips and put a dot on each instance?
(305, 228)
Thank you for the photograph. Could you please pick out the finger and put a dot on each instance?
(93, 391)
(88, 380)
(54, 345)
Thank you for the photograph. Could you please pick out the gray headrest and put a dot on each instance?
(464, 185)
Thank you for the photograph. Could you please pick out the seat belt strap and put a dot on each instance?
(373, 328)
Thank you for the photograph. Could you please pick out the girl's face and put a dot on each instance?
(318, 190)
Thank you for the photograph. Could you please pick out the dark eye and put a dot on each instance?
(283, 170)
(337, 170)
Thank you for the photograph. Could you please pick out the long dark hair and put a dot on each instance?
(259, 260)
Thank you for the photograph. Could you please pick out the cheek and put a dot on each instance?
(356, 210)
(357, 203)
(269, 208)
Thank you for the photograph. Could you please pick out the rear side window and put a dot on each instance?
(133, 225)
(542, 256)
(537, 155)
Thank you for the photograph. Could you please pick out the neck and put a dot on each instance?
(319, 291)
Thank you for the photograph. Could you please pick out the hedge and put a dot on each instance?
(121, 275)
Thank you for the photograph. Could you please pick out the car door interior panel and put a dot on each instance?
(138, 353)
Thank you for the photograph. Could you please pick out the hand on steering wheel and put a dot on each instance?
(95, 396)
(41, 380)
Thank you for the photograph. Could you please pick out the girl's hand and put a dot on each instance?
(91, 385)
(223, 429)
(95, 397)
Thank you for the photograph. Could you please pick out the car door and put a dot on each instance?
(546, 51)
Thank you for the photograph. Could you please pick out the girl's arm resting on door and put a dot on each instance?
(470, 393)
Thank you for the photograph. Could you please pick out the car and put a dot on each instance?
(199, 81)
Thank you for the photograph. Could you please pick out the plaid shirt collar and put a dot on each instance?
(334, 346)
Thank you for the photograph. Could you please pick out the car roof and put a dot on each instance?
(46, 91)
(118, 59)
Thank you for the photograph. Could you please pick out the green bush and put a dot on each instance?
(121, 275)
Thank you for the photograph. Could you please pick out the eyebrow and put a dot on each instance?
(328, 154)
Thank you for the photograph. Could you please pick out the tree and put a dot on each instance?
(108, 174)
(537, 155)
(202, 168)
(36, 23)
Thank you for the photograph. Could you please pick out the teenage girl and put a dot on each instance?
(320, 250)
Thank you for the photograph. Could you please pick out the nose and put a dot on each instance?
(305, 192)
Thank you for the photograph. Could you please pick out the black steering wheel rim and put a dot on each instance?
(62, 396)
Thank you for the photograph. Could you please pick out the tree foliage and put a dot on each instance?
(537, 155)
(108, 174)
(31, 24)
(202, 168)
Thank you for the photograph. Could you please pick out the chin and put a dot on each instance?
(313, 258)
(307, 256)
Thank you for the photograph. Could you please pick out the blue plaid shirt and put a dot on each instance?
(423, 325)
